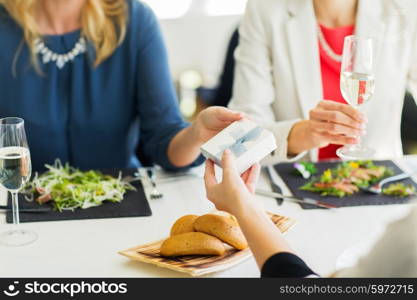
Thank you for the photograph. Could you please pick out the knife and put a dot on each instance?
(26, 210)
(273, 178)
(296, 199)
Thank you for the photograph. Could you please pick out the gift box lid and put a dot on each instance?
(239, 137)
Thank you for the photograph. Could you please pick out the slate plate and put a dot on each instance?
(134, 204)
(294, 182)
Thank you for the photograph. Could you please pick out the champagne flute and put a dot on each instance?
(15, 171)
(357, 84)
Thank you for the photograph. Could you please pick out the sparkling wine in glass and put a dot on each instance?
(357, 84)
(15, 171)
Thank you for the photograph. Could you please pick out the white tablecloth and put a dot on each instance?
(88, 248)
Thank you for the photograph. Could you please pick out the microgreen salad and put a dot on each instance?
(69, 188)
(346, 178)
(399, 190)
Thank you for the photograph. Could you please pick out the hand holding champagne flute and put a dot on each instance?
(357, 84)
(15, 172)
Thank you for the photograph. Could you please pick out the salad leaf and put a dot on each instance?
(399, 190)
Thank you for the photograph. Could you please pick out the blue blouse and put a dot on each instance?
(93, 117)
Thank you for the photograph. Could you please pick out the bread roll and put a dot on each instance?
(192, 243)
(226, 228)
(183, 225)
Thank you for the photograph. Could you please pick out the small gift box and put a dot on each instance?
(246, 140)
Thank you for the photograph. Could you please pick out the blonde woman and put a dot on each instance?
(91, 80)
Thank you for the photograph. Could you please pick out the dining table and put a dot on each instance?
(327, 239)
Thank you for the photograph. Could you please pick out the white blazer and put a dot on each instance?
(278, 77)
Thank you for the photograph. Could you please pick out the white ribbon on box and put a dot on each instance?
(238, 147)
(245, 139)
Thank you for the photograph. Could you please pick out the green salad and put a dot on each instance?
(399, 190)
(69, 188)
(346, 178)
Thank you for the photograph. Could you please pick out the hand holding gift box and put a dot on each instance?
(245, 139)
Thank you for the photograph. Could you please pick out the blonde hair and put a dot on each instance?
(103, 24)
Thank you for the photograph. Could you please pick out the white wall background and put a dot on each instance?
(197, 32)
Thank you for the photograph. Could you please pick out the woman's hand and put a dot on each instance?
(185, 146)
(234, 192)
(212, 120)
(234, 195)
(330, 123)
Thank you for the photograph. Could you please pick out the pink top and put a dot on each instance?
(330, 74)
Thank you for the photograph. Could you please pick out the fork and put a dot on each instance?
(377, 187)
(155, 193)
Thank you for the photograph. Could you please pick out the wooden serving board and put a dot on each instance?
(198, 265)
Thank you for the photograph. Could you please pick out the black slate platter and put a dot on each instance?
(294, 182)
(134, 204)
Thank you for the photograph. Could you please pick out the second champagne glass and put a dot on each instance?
(357, 84)
(15, 171)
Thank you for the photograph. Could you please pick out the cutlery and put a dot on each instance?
(296, 199)
(273, 178)
(376, 188)
(180, 176)
(26, 210)
(155, 193)
(169, 177)
(143, 177)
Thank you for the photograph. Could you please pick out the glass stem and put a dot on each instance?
(15, 208)
(359, 138)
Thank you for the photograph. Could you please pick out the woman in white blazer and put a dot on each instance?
(278, 80)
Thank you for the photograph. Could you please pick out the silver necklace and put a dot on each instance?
(329, 51)
(59, 59)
